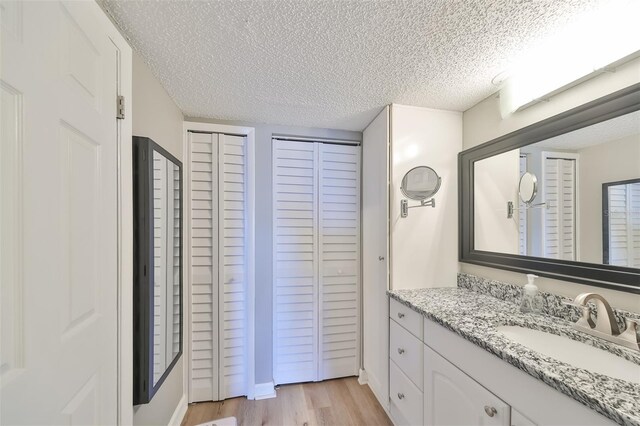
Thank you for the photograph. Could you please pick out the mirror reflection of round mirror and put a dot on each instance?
(528, 187)
(420, 183)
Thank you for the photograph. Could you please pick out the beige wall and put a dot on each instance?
(624, 154)
(496, 183)
(424, 245)
(157, 117)
(483, 123)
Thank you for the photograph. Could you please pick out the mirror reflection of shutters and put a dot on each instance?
(624, 225)
(560, 216)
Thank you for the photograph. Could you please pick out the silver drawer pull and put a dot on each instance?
(400, 351)
(491, 411)
(381, 258)
(400, 315)
(400, 395)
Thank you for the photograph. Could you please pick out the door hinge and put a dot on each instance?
(120, 108)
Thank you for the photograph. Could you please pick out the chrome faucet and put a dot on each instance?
(605, 326)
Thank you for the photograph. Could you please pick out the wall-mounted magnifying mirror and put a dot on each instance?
(421, 184)
(528, 187)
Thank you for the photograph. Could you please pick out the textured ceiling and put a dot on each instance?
(333, 64)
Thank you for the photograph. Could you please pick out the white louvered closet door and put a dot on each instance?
(295, 329)
(339, 260)
(218, 287)
(316, 261)
(232, 288)
(560, 216)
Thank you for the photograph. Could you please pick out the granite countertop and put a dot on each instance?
(475, 316)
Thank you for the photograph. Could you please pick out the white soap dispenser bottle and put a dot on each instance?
(531, 298)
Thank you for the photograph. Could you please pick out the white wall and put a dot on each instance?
(157, 117)
(424, 245)
(263, 237)
(625, 155)
(483, 123)
(496, 182)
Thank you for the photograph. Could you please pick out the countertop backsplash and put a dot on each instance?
(553, 303)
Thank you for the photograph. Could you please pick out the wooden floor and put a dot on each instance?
(333, 402)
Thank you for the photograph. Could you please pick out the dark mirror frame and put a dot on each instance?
(143, 266)
(614, 277)
(605, 215)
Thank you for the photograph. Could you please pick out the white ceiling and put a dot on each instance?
(333, 64)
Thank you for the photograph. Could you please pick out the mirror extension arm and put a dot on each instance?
(404, 206)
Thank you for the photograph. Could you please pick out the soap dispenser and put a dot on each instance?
(531, 298)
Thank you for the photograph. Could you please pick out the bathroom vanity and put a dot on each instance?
(453, 360)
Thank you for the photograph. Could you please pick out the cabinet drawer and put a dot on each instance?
(407, 352)
(405, 397)
(406, 317)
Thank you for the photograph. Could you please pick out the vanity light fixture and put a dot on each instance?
(596, 43)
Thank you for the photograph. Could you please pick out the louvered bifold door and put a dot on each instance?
(232, 320)
(295, 237)
(560, 216)
(204, 269)
(624, 225)
(339, 260)
(218, 277)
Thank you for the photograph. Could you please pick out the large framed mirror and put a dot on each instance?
(157, 283)
(559, 198)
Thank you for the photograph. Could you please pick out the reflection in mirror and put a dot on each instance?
(621, 223)
(166, 257)
(566, 221)
(420, 183)
(157, 267)
(528, 187)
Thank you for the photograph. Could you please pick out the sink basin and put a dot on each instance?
(574, 353)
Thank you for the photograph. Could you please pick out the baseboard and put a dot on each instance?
(363, 378)
(264, 390)
(178, 414)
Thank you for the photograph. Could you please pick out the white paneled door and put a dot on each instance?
(59, 223)
(316, 261)
(218, 227)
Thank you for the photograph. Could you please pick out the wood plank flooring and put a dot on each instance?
(332, 402)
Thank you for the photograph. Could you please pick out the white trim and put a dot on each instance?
(180, 411)
(125, 221)
(264, 391)
(363, 378)
(249, 133)
(312, 139)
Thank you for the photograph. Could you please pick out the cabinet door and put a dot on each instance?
(518, 419)
(453, 398)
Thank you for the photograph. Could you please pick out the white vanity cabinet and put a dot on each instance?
(405, 364)
(438, 378)
(453, 398)
(477, 378)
